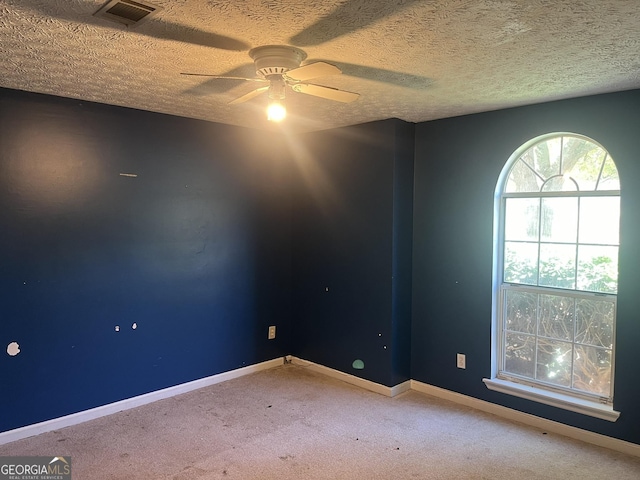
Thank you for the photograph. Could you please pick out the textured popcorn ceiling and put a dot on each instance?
(414, 60)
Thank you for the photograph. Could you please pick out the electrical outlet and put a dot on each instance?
(461, 360)
(272, 332)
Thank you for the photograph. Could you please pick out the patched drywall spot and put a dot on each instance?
(117, 328)
(13, 349)
(131, 175)
(134, 326)
(358, 364)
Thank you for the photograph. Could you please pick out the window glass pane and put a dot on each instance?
(521, 219)
(522, 179)
(592, 370)
(594, 322)
(609, 179)
(556, 317)
(554, 362)
(559, 219)
(557, 265)
(573, 150)
(521, 311)
(519, 354)
(544, 157)
(582, 161)
(521, 262)
(600, 220)
(598, 269)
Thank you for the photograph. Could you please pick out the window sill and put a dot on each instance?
(586, 407)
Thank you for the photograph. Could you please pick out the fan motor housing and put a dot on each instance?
(276, 59)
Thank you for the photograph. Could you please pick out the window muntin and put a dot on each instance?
(559, 230)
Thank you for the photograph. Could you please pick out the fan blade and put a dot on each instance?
(312, 70)
(223, 84)
(224, 77)
(329, 93)
(249, 96)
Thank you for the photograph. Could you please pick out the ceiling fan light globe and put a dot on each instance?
(276, 112)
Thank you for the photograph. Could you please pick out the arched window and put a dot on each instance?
(556, 274)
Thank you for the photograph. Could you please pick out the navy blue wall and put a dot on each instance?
(457, 164)
(352, 249)
(194, 250)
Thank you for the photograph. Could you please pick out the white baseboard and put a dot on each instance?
(352, 379)
(528, 419)
(128, 403)
(401, 388)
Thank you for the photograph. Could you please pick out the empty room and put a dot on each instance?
(337, 239)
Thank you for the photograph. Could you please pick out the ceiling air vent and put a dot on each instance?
(128, 12)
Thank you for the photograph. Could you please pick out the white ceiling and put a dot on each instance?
(409, 59)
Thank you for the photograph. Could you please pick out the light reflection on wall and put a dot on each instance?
(316, 179)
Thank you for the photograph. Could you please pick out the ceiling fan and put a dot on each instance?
(278, 68)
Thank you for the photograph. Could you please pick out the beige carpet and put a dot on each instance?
(290, 423)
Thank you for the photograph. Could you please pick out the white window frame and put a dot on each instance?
(511, 384)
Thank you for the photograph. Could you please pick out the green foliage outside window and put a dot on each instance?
(598, 275)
